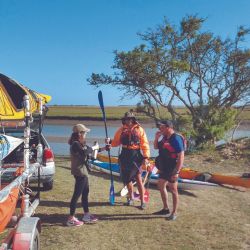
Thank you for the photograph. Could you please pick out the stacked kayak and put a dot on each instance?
(182, 183)
(241, 181)
(189, 174)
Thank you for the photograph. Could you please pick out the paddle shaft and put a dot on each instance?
(100, 98)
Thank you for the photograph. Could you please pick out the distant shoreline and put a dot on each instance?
(245, 125)
(89, 122)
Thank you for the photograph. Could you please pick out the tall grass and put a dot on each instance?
(112, 112)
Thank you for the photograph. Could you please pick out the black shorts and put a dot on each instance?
(130, 163)
(129, 173)
(166, 177)
(167, 168)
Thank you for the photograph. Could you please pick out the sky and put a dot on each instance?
(53, 46)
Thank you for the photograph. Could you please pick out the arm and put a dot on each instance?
(178, 145)
(116, 141)
(144, 144)
(157, 136)
(81, 151)
(180, 161)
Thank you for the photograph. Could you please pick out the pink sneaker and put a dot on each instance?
(73, 221)
(89, 218)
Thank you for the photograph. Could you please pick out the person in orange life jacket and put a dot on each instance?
(169, 162)
(79, 154)
(135, 152)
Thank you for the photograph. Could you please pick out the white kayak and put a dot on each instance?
(182, 183)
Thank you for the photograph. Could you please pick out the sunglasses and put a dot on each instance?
(83, 132)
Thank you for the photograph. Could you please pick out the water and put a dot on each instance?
(58, 135)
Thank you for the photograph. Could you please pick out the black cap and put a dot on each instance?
(129, 115)
(166, 123)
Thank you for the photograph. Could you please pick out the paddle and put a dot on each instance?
(111, 191)
(124, 190)
(40, 146)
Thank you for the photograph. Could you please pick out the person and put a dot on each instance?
(169, 162)
(79, 154)
(135, 153)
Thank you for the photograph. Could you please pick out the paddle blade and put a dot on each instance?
(124, 191)
(112, 195)
(100, 98)
(146, 196)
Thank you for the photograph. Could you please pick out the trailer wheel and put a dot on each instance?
(36, 241)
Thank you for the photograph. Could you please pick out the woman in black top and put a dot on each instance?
(79, 154)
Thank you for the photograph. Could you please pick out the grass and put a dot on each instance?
(112, 112)
(215, 218)
(208, 219)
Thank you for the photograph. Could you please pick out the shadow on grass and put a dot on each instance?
(235, 188)
(49, 220)
(187, 193)
(121, 217)
(57, 219)
(68, 168)
(54, 203)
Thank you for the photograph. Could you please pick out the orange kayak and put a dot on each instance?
(187, 173)
(234, 180)
(7, 208)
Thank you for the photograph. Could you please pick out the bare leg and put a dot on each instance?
(162, 185)
(174, 190)
(140, 186)
(130, 190)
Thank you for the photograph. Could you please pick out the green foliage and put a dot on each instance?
(206, 74)
(214, 126)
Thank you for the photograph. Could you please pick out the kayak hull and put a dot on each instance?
(187, 173)
(182, 183)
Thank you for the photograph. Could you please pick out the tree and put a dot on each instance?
(207, 74)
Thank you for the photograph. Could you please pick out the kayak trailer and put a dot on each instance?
(26, 231)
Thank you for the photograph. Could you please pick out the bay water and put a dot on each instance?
(57, 135)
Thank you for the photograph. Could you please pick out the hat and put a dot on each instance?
(129, 115)
(166, 123)
(80, 128)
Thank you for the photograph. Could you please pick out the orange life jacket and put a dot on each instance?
(132, 138)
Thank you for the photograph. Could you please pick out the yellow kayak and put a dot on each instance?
(11, 99)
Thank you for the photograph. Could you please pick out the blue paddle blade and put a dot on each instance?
(100, 99)
(112, 195)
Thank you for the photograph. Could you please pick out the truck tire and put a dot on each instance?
(48, 185)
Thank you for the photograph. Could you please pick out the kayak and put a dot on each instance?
(234, 180)
(182, 183)
(11, 97)
(8, 144)
(7, 207)
(187, 173)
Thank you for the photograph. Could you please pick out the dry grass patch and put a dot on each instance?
(216, 218)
